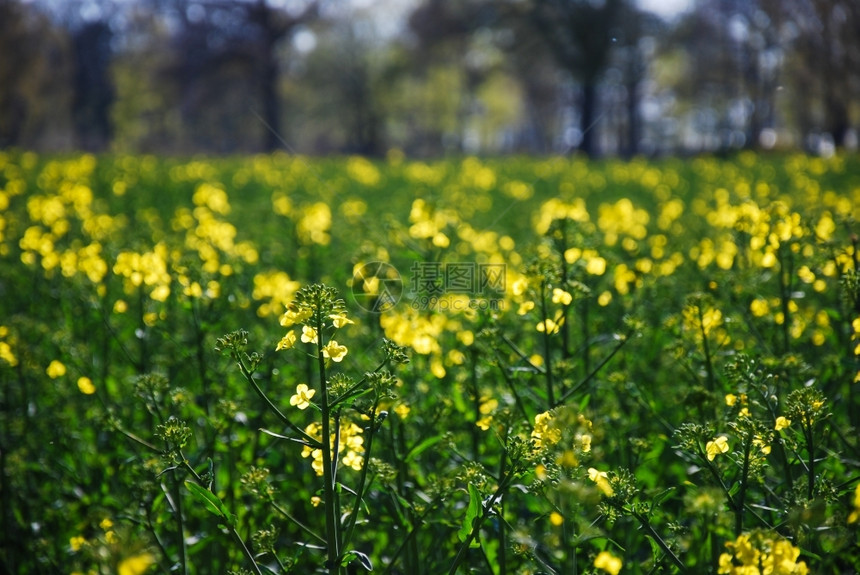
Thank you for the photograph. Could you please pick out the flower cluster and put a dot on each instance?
(760, 553)
(315, 308)
(350, 446)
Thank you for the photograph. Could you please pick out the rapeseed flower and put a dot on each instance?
(287, 342)
(292, 317)
(56, 369)
(758, 553)
(136, 565)
(340, 320)
(85, 385)
(716, 447)
(560, 296)
(854, 517)
(607, 562)
(309, 334)
(334, 351)
(302, 398)
(601, 478)
(545, 433)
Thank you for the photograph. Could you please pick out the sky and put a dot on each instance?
(666, 8)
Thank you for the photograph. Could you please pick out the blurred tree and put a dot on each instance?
(205, 75)
(92, 87)
(274, 25)
(453, 35)
(143, 116)
(823, 41)
(34, 68)
(580, 35)
(335, 90)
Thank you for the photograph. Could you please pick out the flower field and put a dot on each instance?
(278, 364)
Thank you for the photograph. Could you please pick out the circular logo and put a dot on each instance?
(377, 286)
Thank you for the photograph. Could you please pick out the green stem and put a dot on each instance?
(250, 378)
(463, 550)
(332, 521)
(810, 449)
(245, 550)
(359, 492)
(649, 530)
(476, 402)
(550, 395)
(233, 532)
(594, 371)
(785, 271)
(512, 387)
(732, 503)
(180, 521)
(709, 364)
(739, 503)
(586, 335)
(503, 544)
(298, 523)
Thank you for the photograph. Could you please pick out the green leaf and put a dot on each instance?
(472, 513)
(212, 502)
(362, 558)
(421, 447)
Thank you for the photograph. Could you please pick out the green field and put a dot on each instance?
(515, 366)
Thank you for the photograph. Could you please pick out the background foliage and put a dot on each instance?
(428, 77)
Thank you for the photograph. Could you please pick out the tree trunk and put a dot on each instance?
(271, 104)
(587, 120)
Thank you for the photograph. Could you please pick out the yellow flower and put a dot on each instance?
(85, 385)
(731, 399)
(585, 440)
(402, 410)
(519, 286)
(601, 478)
(353, 460)
(136, 565)
(548, 326)
(561, 296)
(302, 398)
(556, 519)
(106, 524)
(316, 500)
(782, 423)
(77, 542)
(287, 341)
(762, 445)
(608, 562)
(726, 566)
(309, 334)
(759, 307)
(334, 351)
(545, 433)
(485, 422)
(339, 320)
(56, 369)
(292, 317)
(596, 266)
(855, 515)
(717, 446)
(525, 307)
